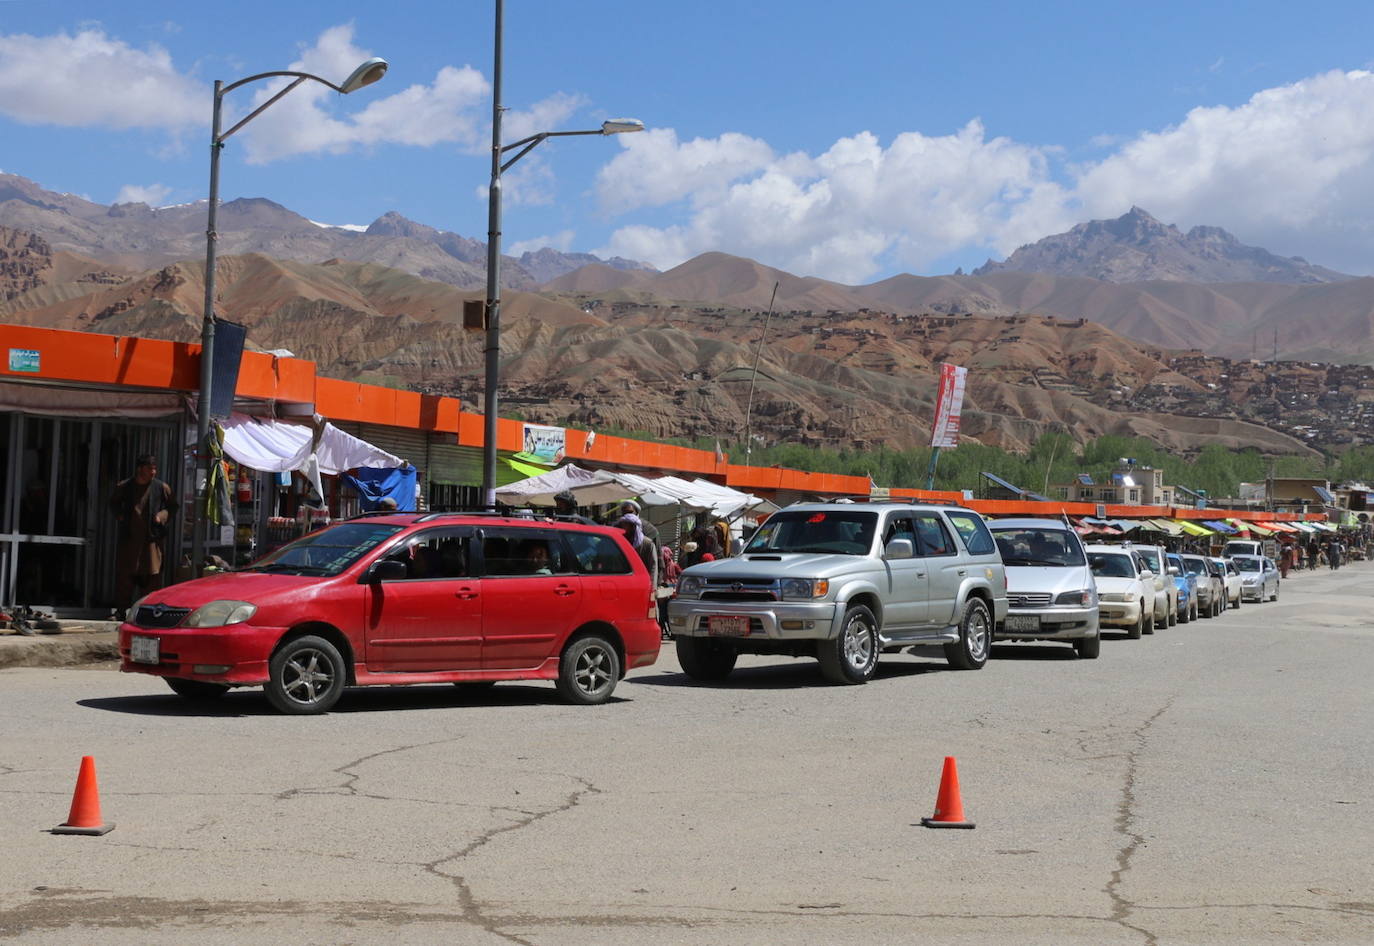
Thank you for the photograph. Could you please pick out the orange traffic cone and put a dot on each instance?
(84, 817)
(949, 809)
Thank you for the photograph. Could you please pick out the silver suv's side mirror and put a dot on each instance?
(1173, 570)
(899, 548)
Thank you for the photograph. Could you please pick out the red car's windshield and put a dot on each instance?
(328, 551)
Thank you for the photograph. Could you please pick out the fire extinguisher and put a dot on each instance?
(245, 488)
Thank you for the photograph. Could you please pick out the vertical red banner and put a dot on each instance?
(949, 403)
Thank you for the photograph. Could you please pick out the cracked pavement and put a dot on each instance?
(1208, 784)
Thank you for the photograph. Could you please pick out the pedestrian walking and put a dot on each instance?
(143, 505)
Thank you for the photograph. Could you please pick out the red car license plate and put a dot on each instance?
(718, 625)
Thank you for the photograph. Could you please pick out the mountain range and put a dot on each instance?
(618, 344)
(135, 237)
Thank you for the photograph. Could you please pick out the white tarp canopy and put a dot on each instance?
(602, 486)
(276, 447)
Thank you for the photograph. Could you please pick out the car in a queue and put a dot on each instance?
(1209, 587)
(1166, 592)
(1125, 593)
(1185, 582)
(843, 583)
(1230, 576)
(1259, 577)
(405, 598)
(1051, 595)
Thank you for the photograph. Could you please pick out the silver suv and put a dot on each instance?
(843, 582)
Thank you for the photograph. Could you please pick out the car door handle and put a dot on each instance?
(962, 571)
(563, 591)
(465, 594)
(920, 574)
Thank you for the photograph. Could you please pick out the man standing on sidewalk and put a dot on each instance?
(143, 505)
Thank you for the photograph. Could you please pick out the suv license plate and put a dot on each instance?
(727, 626)
(1022, 622)
(144, 650)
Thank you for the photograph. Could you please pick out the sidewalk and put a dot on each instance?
(69, 644)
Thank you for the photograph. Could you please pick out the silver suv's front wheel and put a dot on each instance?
(971, 650)
(853, 655)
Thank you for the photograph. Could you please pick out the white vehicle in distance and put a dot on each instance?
(1242, 547)
(1166, 591)
(1051, 595)
(1259, 577)
(1125, 595)
(1231, 575)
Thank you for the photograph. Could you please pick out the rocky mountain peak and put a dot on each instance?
(1137, 247)
(392, 223)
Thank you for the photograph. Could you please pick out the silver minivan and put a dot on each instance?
(1051, 594)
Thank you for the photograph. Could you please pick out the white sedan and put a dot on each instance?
(1234, 584)
(1123, 589)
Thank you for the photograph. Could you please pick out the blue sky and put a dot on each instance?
(850, 141)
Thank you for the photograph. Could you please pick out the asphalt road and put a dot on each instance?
(1209, 784)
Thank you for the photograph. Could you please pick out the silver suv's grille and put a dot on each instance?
(740, 589)
(1027, 599)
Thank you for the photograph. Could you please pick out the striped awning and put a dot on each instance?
(1192, 528)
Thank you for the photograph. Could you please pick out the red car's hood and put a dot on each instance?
(256, 587)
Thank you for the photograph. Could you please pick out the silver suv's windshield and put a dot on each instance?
(326, 552)
(818, 530)
(1247, 564)
(1195, 566)
(1048, 547)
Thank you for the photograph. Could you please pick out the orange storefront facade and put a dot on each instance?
(77, 407)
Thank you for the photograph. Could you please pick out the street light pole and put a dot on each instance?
(493, 345)
(492, 351)
(367, 73)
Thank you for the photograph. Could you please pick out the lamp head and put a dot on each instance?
(621, 126)
(366, 74)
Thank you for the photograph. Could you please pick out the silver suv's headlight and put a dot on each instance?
(804, 589)
(1083, 598)
(1115, 596)
(220, 613)
(689, 586)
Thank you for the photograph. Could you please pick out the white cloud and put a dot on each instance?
(562, 240)
(89, 79)
(833, 215)
(1292, 170)
(420, 115)
(151, 194)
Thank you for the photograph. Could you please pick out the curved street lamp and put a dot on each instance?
(613, 126)
(367, 73)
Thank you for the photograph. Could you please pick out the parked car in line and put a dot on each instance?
(1166, 592)
(1125, 593)
(844, 582)
(1242, 547)
(404, 598)
(1051, 595)
(1185, 582)
(1259, 577)
(1230, 576)
(1209, 587)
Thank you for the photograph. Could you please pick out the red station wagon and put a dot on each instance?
(406, 598)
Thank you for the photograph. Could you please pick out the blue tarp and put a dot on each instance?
(374, 485)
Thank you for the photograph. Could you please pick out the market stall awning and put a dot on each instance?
(274, 446)
(604, 486)
(1216, 525)
(1167, 526)
(1192, 528)
(1258, 529)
